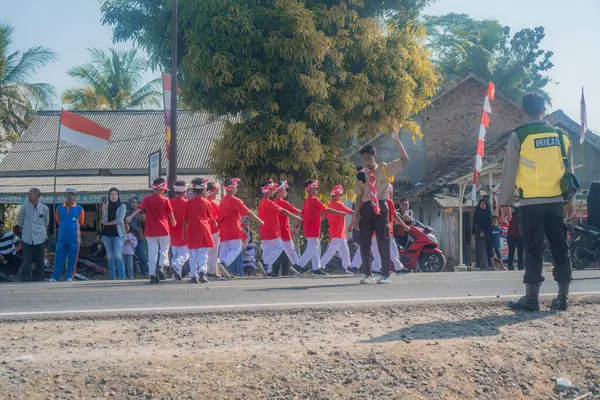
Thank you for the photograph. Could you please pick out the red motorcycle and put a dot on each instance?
(422, 253)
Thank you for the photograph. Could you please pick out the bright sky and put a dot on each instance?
(572, 33)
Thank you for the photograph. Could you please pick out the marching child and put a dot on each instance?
(311, 216)
(284, 221)
(231, 211)
(158, 215)
(213, 254)
(179, 249)
(197, 219)
(270, 232)
(337, 231)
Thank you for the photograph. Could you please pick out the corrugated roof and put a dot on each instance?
(84, 184)
(135, 134)
(449, 201)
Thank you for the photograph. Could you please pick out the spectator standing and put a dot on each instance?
(482, 223)
(495, 242)
(515, 242)
(138, 225)
(70, 218)
(113, 233)
(34, 219)
(129, 251)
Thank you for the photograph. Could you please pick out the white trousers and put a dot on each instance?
(198, 259)
(180, 254)
(158, 252)
(337, 245)
(312, 253)
(290, 251)
(357, 260)
(271, 250)
(230, 250)
(394, 253)
(213, 255)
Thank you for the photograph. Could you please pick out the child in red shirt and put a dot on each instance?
(311, 216)
(270, 232)
(213, 254)
(197, 221)
(284, 222)
(337, 231)
(158, 215)
(179, 250)
(231, 211)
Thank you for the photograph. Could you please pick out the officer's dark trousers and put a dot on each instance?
(545, 220)
(380, 224)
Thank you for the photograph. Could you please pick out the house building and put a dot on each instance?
(123, 164)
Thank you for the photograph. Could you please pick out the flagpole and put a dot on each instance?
(172, 168)
(55, 169)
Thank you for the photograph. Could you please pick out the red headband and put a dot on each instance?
(234, 184)
(269, 186)
(212, 191)
(202, 186)
(284, 185)
(337, 190)
(313, 185)
(159, 186)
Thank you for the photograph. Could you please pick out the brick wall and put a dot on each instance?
(451, 124)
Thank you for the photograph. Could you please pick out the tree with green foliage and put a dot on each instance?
(19, 99)
(113, 82)
(516, 64)
(304, 77)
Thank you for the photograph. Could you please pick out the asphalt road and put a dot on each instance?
(112, 297)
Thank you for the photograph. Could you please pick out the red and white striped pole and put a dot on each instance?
(485, 123)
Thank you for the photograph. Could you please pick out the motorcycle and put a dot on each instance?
(422, 253)
(90, 269)
(585, 246)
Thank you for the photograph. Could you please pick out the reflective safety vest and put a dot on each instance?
(541, 165)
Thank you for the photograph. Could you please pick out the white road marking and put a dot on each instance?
(269, 305)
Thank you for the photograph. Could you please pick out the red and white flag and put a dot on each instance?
(83, 132)
(583, 128)
(485, 123)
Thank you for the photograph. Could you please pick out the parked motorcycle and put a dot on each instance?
(585, 246)
(422, 253)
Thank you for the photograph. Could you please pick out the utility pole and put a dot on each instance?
(172, 173)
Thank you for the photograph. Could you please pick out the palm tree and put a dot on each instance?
(19, 99)
(112, 82)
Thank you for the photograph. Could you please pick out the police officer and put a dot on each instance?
(534, 164)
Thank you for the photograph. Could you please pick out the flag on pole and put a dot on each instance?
(583, 128)
(485, 123)
(83, 132)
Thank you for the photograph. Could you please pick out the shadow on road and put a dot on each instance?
(477, 327)
(307, 287)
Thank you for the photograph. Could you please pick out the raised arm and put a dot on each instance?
(252, 215)
(291, 215)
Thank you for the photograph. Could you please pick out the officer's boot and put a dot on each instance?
(529, 302)
(561, 302)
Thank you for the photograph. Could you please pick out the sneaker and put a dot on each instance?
(153, 280)
(302, 270)
(161, 274)
(349, 272)
(355, 271)
(384, 280)
(176, 274)
(367, 280)
(212, 275)
(404, 271)
(295, 271)
(272, 275)
(52, 280)
(193, 280)
(319, 272)
(202, 278)
(69, 280)
(223, 270)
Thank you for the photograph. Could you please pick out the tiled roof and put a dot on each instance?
(449, 201)
(135, 134)
(86, 184)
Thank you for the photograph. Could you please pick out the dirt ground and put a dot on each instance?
(468, 351)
